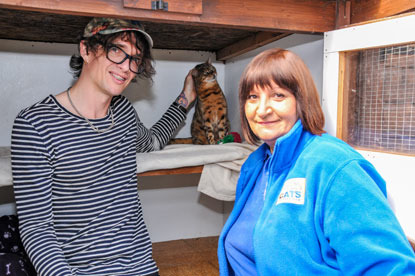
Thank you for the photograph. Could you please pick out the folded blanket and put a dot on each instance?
(219, 176)
(221, 163)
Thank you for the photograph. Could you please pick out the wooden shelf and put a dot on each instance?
(184, 170)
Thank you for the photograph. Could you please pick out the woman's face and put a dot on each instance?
(271, 112)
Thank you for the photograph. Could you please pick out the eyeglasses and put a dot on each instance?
(118, 56)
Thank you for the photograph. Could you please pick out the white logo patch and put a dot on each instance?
(293, 191)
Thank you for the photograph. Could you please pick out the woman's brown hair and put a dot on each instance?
(288, 71)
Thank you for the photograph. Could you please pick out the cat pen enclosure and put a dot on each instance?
(226, 28)
(369, 100)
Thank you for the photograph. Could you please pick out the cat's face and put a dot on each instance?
(204, 73)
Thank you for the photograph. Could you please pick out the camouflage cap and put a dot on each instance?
(105, 26)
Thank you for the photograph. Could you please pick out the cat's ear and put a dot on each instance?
(209, 61)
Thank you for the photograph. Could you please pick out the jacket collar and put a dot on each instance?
(286, 149)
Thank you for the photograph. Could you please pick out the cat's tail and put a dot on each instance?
(180, 141)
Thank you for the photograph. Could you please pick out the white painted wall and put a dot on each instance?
(173, 209)
(396, 169)
(30, 71)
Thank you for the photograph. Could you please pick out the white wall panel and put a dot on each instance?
(396, 169)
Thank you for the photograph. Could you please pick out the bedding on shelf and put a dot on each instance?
(221, 164)
(219, 176)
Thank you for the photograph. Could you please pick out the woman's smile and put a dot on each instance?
(271, 112)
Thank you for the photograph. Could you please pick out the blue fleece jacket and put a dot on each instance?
(325, 212)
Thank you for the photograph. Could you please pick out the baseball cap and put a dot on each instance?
(106, 25)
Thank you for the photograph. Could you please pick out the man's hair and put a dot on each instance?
(93, 43)
(288, 71)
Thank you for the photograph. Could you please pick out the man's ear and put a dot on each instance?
(83, 51)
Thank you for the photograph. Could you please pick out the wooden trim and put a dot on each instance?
(346, 101)
(342, 13)
(368, 10)
(248, 44)
(184, 170)
(315, 16)
(381, 19)
(412, 243)
(341, 123)
(192, 7)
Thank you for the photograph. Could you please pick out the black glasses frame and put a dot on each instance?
(127, 56)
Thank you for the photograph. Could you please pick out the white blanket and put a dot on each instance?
(220, 173)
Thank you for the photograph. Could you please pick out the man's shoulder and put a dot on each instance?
(121, 101)
(40, 107)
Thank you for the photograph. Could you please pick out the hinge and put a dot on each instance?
(160, 5)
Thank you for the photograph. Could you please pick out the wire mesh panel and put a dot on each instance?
(381, 99)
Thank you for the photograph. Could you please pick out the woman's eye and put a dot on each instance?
(252, 97)
(278, 95)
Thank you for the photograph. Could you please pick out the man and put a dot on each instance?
(74, 164)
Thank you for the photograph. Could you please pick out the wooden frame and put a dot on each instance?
(347, 77)
(396, 169)
(348, 62)
(298, 16)
(270, 19)
(184, 170)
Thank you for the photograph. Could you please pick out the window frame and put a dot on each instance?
(396, 169)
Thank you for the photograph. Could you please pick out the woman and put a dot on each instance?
(306, 202)
(74, 160)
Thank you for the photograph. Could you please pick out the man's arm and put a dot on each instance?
(160, 133)
(32, 180)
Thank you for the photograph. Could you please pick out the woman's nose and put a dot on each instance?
(263, 107)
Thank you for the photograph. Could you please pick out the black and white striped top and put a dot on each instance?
(76, 189)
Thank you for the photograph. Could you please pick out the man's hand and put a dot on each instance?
(188, 94)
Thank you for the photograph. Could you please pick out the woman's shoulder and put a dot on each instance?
(327, 147)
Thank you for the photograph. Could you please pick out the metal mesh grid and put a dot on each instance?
(384, 103)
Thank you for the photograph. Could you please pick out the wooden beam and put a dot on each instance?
(367, 10)
(342, 13)
(193, 7)
(315, 16)
(248, 44)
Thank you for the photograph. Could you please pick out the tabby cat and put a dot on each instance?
(210, 121)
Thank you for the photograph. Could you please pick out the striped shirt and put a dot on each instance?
(76, 189)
